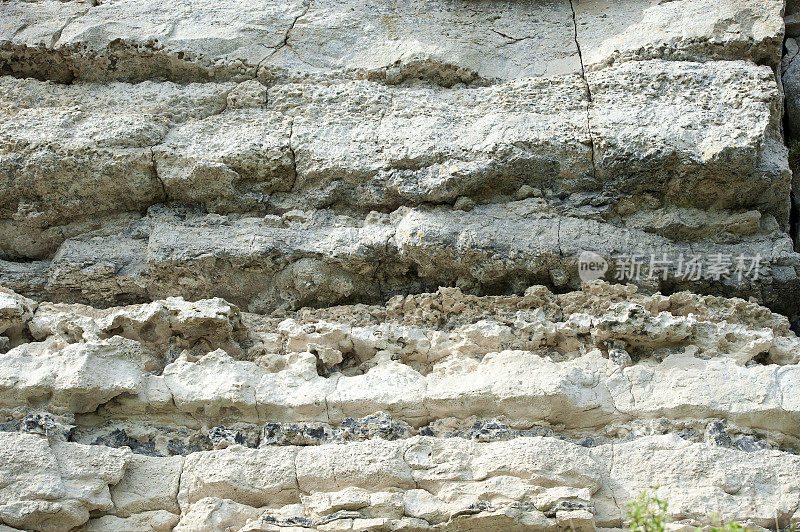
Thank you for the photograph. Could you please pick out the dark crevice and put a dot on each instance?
(512, 40)
(293, 155)
(164, 440)
(794, 221)
(285, 41)
(164, 193)
(580, 53)
(587, 87)
(794, 162)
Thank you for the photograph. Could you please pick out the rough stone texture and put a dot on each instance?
(791, 84)
(125, 39)
(610, 31)
(314, 265)
(792, 19)
(347, 145)
(54, 485)
(322, 258)
(75, 378)
(449, 483)
(622, 121)
(493, 411)
(15, 312)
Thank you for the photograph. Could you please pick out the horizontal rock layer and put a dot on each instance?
(321, 258)
(134, 41)
(481, 399)
(639, 128)
(416, 484)
(646, 110)
(355, 146)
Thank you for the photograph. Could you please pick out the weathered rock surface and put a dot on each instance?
(307, 265)
(656, 118)
(349, 145)
(54, 485)
(128, 40)
(322, 258)
(425, 482)
(510, 411)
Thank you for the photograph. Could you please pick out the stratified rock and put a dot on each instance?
(74, 377)
(610, 32)
(539, 358)
(450, 482)
(129, 40)
(52, 486)
(329, 265)
(434, 364)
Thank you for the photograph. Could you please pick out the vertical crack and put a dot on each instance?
(293, 156)
(586, 86)
(558, 237)
(285, 41)
(164, 195)
(327, 405)
(296, 478)
(794, 219)
(789, 54)
(611, 488)
(176, 497)
(182, 481)
(380, 269)
(578, 46)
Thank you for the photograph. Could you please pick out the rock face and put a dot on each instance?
(312, 153)
(331, 265)
(441, 410)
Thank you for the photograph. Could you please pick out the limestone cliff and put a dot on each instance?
(319, 264)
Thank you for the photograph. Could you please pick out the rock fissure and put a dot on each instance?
(285, 41)
(164, 194)
(588, 91)
(619, 508)
(295, 178)
(512, 40)
(57, 35)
